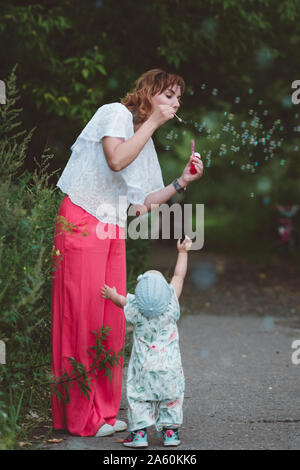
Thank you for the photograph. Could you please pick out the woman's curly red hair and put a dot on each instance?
(138, 101)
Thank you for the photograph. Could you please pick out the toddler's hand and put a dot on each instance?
(185, 245)
(107, 292)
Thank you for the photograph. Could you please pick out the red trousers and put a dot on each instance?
(83, 263)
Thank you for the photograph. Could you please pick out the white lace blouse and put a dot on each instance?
(92, 185)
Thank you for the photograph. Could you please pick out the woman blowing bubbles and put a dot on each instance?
(113, 156)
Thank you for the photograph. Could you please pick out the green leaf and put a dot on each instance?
(85, 73)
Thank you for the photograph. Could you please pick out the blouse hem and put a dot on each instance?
(89, 212)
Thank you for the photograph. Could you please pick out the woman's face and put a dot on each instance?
(170, 96)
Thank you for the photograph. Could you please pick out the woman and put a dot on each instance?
(113, 156)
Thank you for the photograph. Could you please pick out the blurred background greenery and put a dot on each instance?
(238, 58)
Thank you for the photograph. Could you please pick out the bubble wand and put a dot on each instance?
(193, 170)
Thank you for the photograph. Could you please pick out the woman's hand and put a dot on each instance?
(186, 176)
(108, 292)
(161, 114)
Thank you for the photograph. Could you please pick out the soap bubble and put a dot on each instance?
(204, 275)
(268, 323)
(204, 353)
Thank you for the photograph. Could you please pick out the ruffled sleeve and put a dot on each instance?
(113, 120)
(131, 310)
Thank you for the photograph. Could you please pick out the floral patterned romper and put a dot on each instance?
(155, 380)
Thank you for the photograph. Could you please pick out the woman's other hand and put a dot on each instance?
(186, 176)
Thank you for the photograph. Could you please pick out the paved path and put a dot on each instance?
(242, 389)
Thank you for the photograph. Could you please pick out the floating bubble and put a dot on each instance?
(287, 102)
(264, 184)
(252, 195)
(268, 323)
(237, 99)
(204, 275)
(265, 56)
(204, 353)
(214, 92)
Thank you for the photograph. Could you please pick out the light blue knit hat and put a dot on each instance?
(153, 294)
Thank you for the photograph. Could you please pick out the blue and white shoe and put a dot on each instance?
(136, 439)
(170, 437)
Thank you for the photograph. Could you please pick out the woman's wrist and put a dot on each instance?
(182, 182)
(151, 125)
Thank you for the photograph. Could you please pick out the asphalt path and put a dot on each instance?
(242, 388)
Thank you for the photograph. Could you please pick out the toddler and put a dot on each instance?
(155, 380)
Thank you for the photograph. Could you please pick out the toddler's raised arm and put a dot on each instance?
(181, 265)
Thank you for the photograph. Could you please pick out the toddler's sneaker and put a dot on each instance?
(170, 437)
(136, 439)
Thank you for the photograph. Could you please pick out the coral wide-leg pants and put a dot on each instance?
(83, 263)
